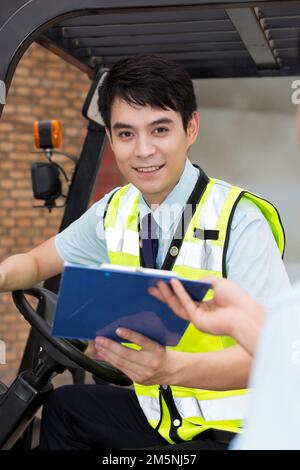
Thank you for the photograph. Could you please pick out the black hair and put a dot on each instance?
(148, 80)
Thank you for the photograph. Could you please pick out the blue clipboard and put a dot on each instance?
(96, 301)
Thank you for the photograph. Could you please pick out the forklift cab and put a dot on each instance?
(210, 39)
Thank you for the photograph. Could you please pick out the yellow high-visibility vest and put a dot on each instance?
(181, 413)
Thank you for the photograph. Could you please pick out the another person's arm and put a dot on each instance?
(232, 312)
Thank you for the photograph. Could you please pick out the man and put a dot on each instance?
(149, 109)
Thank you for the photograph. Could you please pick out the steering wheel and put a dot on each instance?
(47, 303)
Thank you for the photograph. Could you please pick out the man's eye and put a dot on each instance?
(161, 130)
(125, 134)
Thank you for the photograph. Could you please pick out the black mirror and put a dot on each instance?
(46, 183)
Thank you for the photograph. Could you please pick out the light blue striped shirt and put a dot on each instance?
(252, 259)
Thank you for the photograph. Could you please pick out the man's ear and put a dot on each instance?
(193, 128)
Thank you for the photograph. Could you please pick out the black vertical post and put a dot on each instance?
(77, 203)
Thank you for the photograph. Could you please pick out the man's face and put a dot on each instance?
(150, 146)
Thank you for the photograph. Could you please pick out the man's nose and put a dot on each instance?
(144, 147)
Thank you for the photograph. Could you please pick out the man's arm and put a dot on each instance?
(26, 269)
(82, 242)
(227, 369)
(154, 364)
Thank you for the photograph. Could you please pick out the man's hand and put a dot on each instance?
(148, 366)
(231, 312)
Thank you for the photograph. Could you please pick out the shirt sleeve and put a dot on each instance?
(253, 259)
(273, 409)
(83, 242)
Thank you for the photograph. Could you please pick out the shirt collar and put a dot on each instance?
(169, 211)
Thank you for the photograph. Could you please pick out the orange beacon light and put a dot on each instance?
(47, 134)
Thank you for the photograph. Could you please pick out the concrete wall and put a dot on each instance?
(248, 137)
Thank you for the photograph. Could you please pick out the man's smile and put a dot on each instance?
(148, 170)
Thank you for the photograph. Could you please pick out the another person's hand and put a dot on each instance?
(231, 312)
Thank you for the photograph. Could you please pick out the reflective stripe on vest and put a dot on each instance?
(212, 410)
(198, 409)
